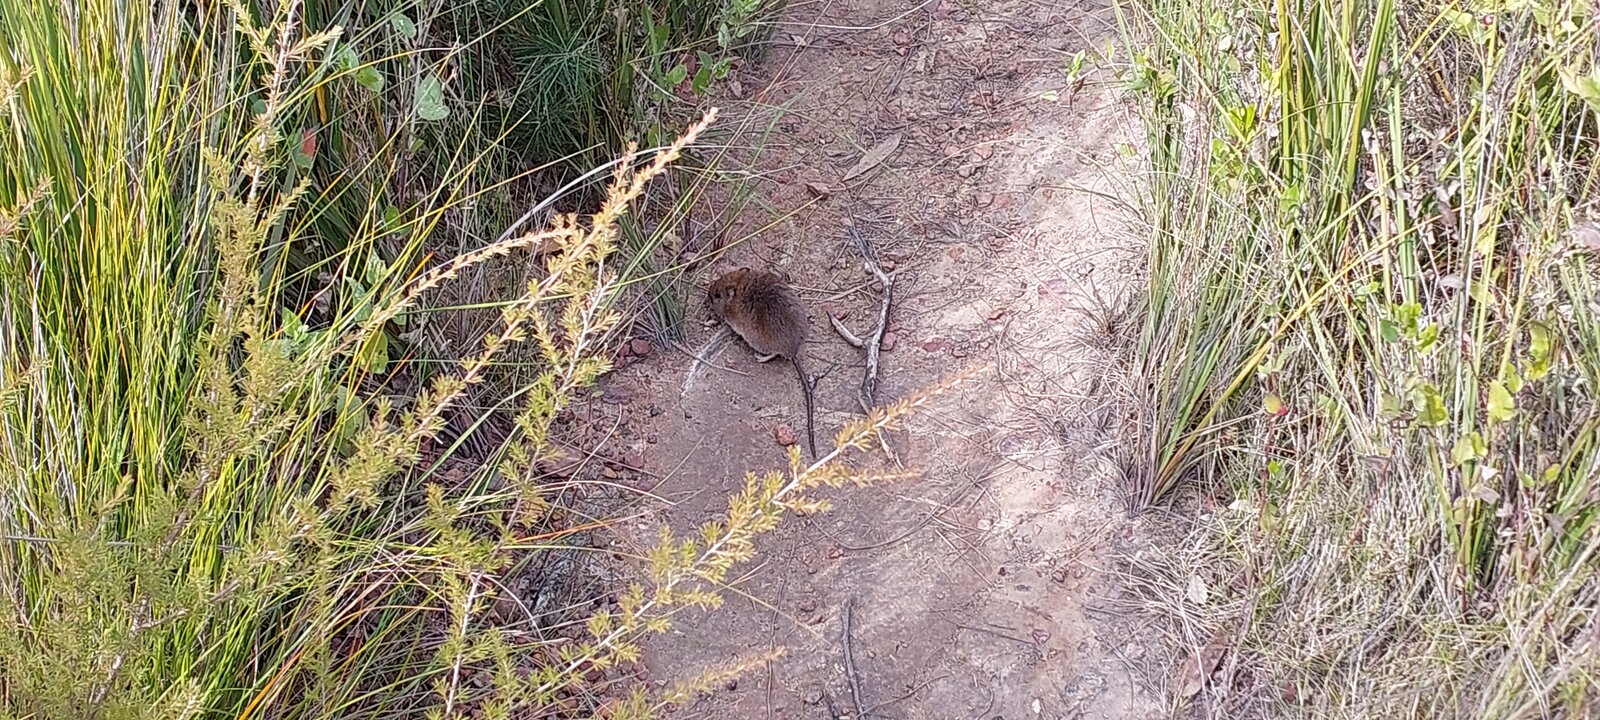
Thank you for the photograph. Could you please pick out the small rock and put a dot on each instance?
(784, 434)
(813, 697)
(640, 347)
(731, 685)
(935, 345)
(841, 313)
(997, 313)
(889, 340)
(1041, 636)
(1002, 571)
(983, 199)
(818, 190)
(608, 473)
(835, 552)
(808, 605)
(956, 252)
(966, 170)
(984, 151)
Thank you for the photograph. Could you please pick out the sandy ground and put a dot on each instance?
(984, 589)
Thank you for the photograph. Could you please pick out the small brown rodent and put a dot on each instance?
(760, 307)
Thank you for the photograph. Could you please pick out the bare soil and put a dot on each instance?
(985, 589)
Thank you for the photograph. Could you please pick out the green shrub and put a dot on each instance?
(1371, 311)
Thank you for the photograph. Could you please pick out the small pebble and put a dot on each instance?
(640, 347)
(889, 340)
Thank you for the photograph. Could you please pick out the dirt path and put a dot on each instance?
(979, 591)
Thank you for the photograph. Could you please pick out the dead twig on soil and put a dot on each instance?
(850, 660)
(844, 332)
(874, 345)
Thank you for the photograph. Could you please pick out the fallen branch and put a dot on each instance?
(869, 379)
(850, 661)
(844, 332)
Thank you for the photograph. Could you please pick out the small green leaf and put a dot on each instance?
(1390, 332)
(1430, 406)
(1501, 405)
(345, 57)
(1586, 87)
(1513, 378)
(304, 153)
(391, 218)
(403, 25)
(1468, 448)
(376, 270)
(702, 80)
(1427, 337)
(369, 78)
(1389, 405)
(430, 99)
(1541, 350)
(1289, 199)
(1407, 317)
(350, 61)
(292, 325)
(677, 74)
(376, 355)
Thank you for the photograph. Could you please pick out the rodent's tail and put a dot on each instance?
(805, 387)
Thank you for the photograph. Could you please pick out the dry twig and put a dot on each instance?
(874, 344)
(850, 660)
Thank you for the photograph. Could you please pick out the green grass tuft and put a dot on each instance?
(1371, 316)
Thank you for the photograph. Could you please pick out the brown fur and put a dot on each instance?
(759, 307)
